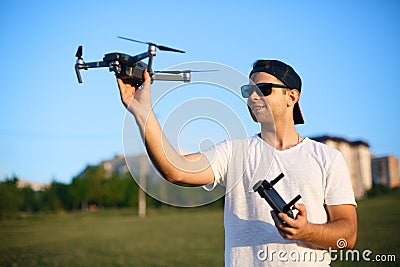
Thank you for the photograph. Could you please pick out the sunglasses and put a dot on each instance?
(262, 89)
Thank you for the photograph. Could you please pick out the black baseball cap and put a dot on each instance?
(285, 74)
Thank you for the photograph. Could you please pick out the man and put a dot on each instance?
(253, 235)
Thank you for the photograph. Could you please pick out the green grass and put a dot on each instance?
(378, 230)
(184, 237)
(166, 237)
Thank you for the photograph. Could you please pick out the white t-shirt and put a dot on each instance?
(315, 171)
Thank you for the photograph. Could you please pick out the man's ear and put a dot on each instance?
(294, 96)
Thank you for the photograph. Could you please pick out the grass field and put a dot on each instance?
(378, 230)
(166, 237)
(173, 237)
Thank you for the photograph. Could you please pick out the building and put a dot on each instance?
(117, 164)
(358, 158)
(32, 185)
(139, 164)
(385, 171)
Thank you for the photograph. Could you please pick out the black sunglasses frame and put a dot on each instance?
(264, 88)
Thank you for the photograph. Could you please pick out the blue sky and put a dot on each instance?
(51, 127)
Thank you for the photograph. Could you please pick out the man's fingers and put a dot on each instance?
(300, 207)
(288, 221)
(146, 76)
(126, 87)
(146, 81)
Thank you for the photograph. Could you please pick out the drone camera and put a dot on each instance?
(115, 67)
(134, 73)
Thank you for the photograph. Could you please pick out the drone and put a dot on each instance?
(132, 67)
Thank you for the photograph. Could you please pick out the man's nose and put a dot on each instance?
(254, 96)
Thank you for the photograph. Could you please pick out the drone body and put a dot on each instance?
(125, 67)
(131, 67)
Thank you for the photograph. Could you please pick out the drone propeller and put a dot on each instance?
(79, 52)
(182, 71)
(161, 47)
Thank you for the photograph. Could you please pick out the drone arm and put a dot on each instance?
(82, 65)
(185, 77)
(149, 69)
(139, 57)
(89, 65)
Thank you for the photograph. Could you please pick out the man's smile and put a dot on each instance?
(257, 107)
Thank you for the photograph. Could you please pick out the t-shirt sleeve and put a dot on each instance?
(219, 157)
(338, 188)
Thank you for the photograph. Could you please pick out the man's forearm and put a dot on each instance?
(343, 225)
(190, 169)
(162, 154)
(327, 235)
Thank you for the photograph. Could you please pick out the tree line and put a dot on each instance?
(93, 188)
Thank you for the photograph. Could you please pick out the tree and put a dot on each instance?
(10, 199)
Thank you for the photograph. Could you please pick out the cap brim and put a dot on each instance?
(297, 115)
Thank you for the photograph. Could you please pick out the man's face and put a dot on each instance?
(266, 109)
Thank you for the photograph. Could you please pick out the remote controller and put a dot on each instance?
(268, 192)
